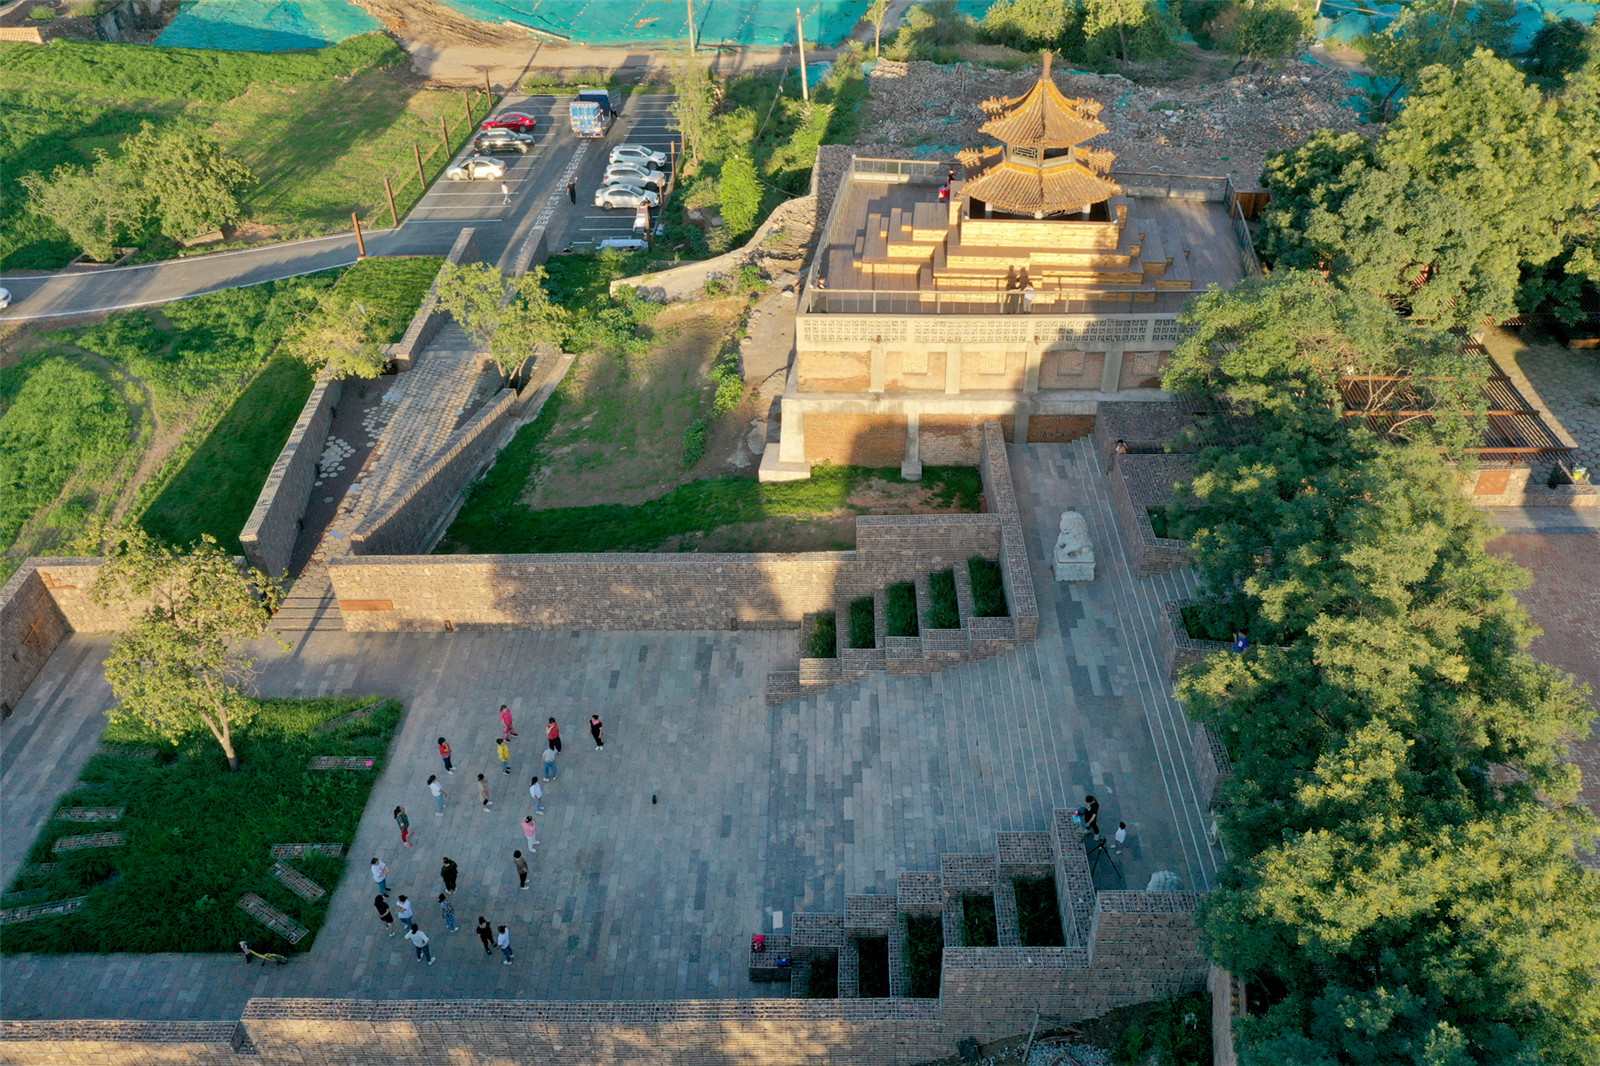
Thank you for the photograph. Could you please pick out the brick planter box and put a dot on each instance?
(1175, 646)
(1138, 483)
(1213, 768)
(903, 655)
(819, 671)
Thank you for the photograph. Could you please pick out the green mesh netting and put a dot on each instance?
(613, 22)
(266, 25)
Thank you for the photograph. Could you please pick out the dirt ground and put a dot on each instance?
(618, 437)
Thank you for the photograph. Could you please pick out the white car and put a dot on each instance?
(5, 299)
(477, 168)
(625, 196)
(627, 175)
(637, 155)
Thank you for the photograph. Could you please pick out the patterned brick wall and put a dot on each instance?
(269, 533)
(856, 440)
(1212, 766)
(1174, 645)
(1071, 370)
(1056, 429)
(834, 372)
(947, 441)
(1000, 494)
(1139, 482)
(31, 625)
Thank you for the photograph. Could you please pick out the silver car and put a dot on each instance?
(476, 168)
(625, 196)
(638, 155)
(635, 176)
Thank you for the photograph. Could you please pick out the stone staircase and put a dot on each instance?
(1058, 854)
(929, 651)
(310, 604)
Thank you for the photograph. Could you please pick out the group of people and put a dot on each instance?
(401, 915)
(1088, 819)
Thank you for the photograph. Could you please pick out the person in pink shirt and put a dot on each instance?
(505, 720)
(530, 832)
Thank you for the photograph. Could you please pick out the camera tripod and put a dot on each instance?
(1098, 851)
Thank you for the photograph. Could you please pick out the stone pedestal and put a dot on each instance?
(1074, 555)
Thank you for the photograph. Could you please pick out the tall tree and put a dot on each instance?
(1129, 29)
(338, 338)
(694, 106)
(179, 666)
(98, 207)
(1481, 177)
(1430, 32)
(1314, 177)
(511, 320)
(192, 185)
(877, 13)
(1266, 31)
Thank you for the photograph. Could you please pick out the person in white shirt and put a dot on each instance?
(536, 790)
(419, 940)
(1120, 837)
(403, 911)
(503, 938)
(380, 874)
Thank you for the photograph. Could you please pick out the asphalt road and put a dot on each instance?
(537, 183)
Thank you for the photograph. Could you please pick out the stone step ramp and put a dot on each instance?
(310, 604)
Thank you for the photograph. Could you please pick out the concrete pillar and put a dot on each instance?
(879, 354)
(792, 439)
(911, 466)
(1112, 375)
(1020, 434)
(952, 369)
(1030, 375)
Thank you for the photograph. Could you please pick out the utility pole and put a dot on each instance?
(691, 27)
(800, 35)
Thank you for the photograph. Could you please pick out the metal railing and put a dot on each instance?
(959, 302)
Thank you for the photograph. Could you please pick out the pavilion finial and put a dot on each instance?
(1047, 62)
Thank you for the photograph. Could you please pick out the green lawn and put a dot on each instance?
(493, 521)
(199, 836)
(320, 129)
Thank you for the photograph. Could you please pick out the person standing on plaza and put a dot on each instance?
(385, 915)
(1091, 816)
(404, 822)
(380, 874)
(552, 733)
(403, 910)
(505, 720)
(530, 832)
(444, 753)
(597, 729)
(549, 764)
(419, 940)
(536, 790)
(486, 934)
(483, 794)
(572, 190)
(503, 750)
(1119, 839)
(438, 794)
(522, 869)
(447, 872)
(448, 911)
(503, 938)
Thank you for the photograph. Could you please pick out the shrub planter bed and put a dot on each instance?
(1038, 913)
(1175, 646)
(863, 624)
(943, 611)
(902, 610)
(1141, 484)
(872, 962)
(924, 955)
(988, 588)
(979, 928)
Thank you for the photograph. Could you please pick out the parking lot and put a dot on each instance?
(537, 181)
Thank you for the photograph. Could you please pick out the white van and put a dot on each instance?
(625, 244)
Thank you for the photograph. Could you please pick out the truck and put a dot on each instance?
(592, 113)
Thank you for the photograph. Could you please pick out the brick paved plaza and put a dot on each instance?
(757, 808)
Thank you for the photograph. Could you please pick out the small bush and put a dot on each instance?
(943, 612)
(872, 980)
(824, 641)
(41, 12)
(979, 929)
(1216, 619)
(924, 955)
(988, 588)
(863, 623)
(1038, 913)
(694, 441)
(751, 279)
(1169, 1032)
(902, 610)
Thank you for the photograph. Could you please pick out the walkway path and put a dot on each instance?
(706, 811)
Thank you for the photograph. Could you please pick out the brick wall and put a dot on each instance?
(126, 1043)
(31, 625)
(947, 441)
(1212, 766)
(411, 523)
(1174, 645)
(834, 372)
(269, 534)
(1071, 370)
(1056, 429)
(994, 466)
(856, 440)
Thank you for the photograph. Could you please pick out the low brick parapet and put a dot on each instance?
(91, 840)
(272, 918)
(290, 851)
(297, 882)
(869, 915)
(1174, 646)
(41, 910)
(968, 873)
(919, 893)
(90, 814)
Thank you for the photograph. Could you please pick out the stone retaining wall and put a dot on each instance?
(410, 523)
(1213, 767)
(1174, 646)
(269, 533)
(31, 625)
(1001, 495)
(428, 319)
(143, 1043)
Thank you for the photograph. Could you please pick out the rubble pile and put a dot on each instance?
(1218, 128)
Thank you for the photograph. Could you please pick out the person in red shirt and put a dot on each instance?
(505, 720)
(553, 732)
(444, 753)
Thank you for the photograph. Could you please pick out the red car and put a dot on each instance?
(510, 120)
